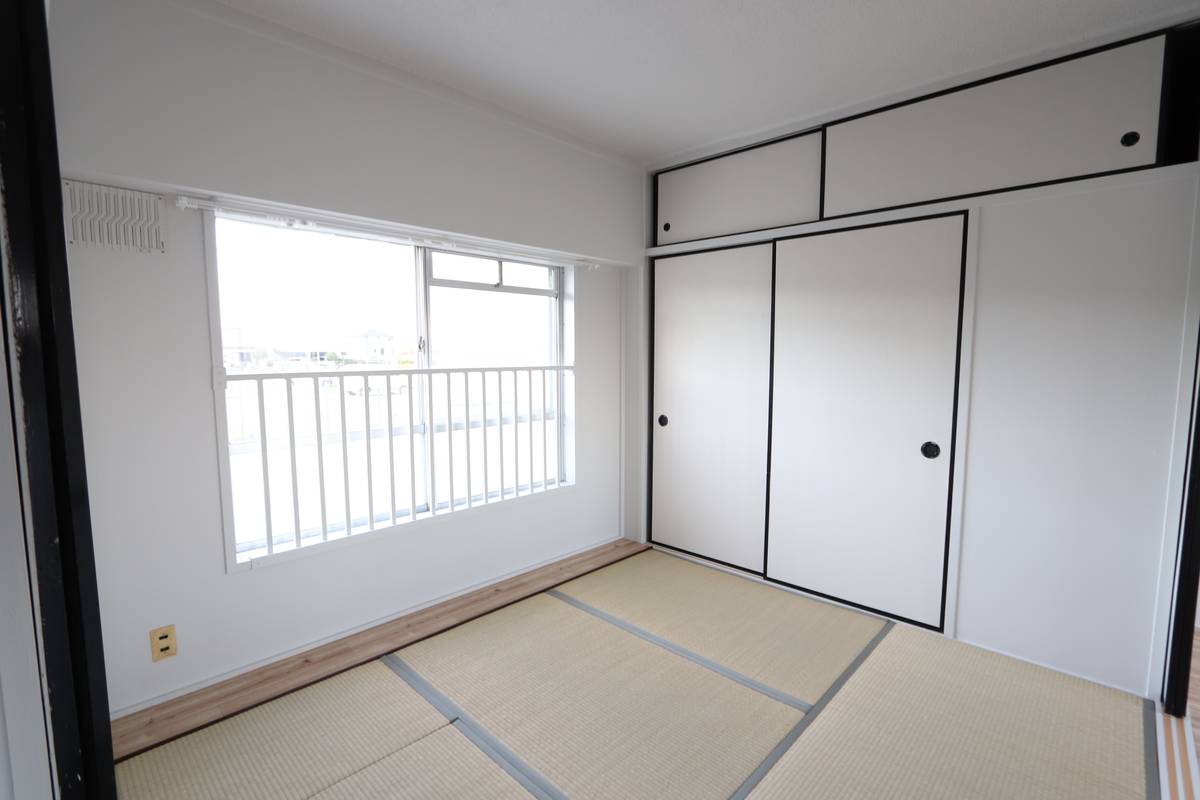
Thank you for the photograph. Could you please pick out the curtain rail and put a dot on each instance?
(263, 376)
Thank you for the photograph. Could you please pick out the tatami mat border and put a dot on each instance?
(773, 757)
(707, 663)
(533, 781)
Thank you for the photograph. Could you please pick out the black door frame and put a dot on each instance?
(1181, 636)
(1182, 133)
(45, 386)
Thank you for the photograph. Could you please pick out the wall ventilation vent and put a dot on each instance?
(118, 219)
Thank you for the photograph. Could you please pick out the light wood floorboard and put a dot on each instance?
(160, 723)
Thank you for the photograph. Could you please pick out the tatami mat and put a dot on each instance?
(442, 765)
(928, 718)
(597, 711)
(792, 643)
(291, 747)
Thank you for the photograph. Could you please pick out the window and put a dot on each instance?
(371, 383)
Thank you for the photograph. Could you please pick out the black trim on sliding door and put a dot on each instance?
(962, 295)
(962, 280)
(651, 409)
(771, 403)
(47, 388)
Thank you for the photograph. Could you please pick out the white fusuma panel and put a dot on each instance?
(1093, 114)
(762, 187)
(866, 343)
(712, 336)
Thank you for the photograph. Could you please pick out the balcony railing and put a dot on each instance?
(316, 456)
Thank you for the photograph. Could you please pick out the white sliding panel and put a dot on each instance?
(712, 335)
(866, 342)
(761, 187)
(1092, 114)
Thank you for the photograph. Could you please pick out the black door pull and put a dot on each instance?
(931, 450)
(662, 420)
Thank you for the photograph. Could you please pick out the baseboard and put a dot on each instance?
(150, 702)
(160, 723)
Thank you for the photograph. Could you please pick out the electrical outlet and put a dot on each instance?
(162, 643)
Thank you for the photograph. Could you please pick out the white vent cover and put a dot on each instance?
(119, 219)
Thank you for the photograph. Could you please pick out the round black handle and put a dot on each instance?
(662, 420)
(666, 226)
(1130, 138)
(931, 450)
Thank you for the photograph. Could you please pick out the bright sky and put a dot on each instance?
(289, 289)
(292, 289)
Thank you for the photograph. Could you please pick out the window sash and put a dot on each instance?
(556, 277)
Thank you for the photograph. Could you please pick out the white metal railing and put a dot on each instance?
(315, 456)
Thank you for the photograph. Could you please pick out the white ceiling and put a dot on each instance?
(655, 80)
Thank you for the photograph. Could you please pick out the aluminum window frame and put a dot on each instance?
(428, 281)
(423, 255)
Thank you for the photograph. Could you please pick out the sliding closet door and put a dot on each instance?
(712, 337)
(866, 344)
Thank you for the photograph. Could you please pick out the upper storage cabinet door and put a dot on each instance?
(762, 187)
(1092, 114)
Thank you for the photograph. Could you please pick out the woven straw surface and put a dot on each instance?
(292, 747)
(925, 717)
(600, 712)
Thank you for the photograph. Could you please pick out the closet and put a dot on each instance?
(839, 350)
(846, 392)
(939, 362)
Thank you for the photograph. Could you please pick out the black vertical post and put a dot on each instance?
(1179, 142)
(46, 387)
(1187, 579)
(1179, 105)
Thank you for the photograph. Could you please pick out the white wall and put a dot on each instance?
(6, 785)
(151, 93)
(1080, 392)
(158, 92)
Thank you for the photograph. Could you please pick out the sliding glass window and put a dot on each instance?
(364, 384)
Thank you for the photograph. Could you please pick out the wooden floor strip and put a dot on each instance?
(153, 726)
(1184, 765)
(1169, 740)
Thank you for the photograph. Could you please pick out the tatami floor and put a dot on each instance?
(660, 678)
